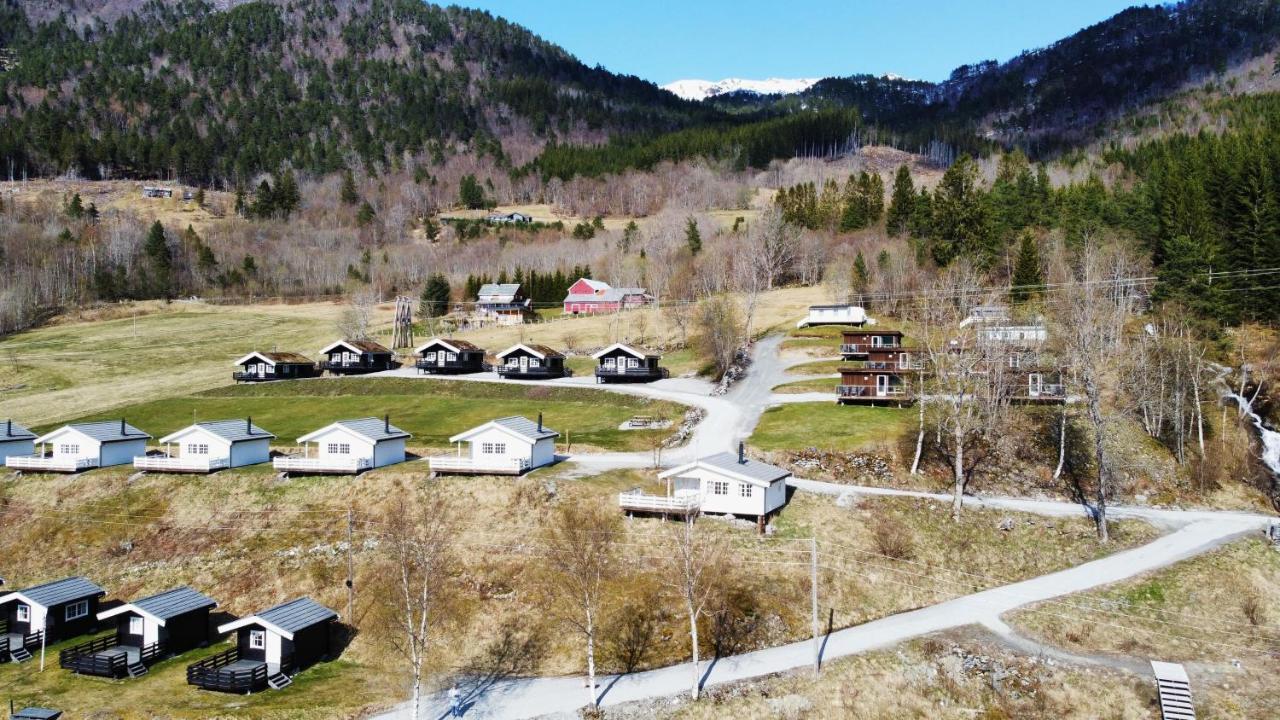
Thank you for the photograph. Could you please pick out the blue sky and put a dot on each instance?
(665, 40)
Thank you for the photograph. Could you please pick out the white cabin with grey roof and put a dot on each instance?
(347, 447)
(506, 446)
(82, 446)
(209, 446)
(725, 483)
(15, 440)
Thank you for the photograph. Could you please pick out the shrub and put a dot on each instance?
(892, 539)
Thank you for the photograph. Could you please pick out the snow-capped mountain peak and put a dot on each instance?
(703, 89)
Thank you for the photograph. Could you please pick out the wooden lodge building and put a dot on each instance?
(347, 447)
(270, 647)
(268, 366)
(530, 362)
(855, 344)
(502, 303)
(622, 363)
(446, 356)
(47, 613)
(83, 446)
(210, 446)
(147, 631)
(356, 357)
(506, 446)
(15, 441)
(886, 375)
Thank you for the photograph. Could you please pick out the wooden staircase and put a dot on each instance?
(279, 681)
(137, 669)
(19, 654)
(1174, 688)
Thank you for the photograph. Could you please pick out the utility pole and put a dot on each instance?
(813, 588)
(351, 588)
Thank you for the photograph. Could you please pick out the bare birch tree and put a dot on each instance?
(694, 559)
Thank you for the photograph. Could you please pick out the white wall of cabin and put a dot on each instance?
(87, 447)
(14, 448)
(122, 453)
(515, 448)
(360, 447)
(389, 452)
(733, 503)
(250, 452)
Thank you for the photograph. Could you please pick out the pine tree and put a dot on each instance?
(287, 195)
(630, 234)
(75, 208)
(961, 220)
(435, 297)
(347, 193)
(1028, 276)
(1183, 278)
(471, 193)
(692, 236)
(861, 278)
(902, 202)
(159, 262)
(365, 215)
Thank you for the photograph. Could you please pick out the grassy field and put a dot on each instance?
(826, 385)
(432, 410)
(131, 354)
(820, 367)
(829, 426)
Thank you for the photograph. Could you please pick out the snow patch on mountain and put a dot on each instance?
(703, 89)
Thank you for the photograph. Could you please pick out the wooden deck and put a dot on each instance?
(633, 501)
(469, 466)
(37, 463)
(164, 463)
(321, 466)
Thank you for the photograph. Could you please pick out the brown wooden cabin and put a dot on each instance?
(857, 343)
(622, 363)
(530, 362)
(268, 366)
(357, 357)
(886, 376)
(447, 356)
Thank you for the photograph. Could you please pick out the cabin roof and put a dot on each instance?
(625, 348)
(10, 430)
(164, 606)
(233, 431)
(37, 713)
(57, 592)
(286, 618)
(368, 346)
(516, 425)
(727, 463)
(846, 306)
(609, 294)
(541, 351)
(102, 431)
(452, 344)
(275, 358)
(499, 289)
(871, 331)
(371, 428)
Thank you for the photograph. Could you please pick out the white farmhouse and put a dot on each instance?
(208, 446)
(506, 446)
(347, 447)
(835, 315)
(81, 446)
(724, 483)
(15, 440)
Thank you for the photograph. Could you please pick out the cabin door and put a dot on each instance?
(440, 358)
(1035, 384)
(524, 363)
(262, 370)
(882, 385)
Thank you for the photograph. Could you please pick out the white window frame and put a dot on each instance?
(719, 487)
(198, 449)
(24, 613)
(68, 449)
(746, 490)
(136, 626)
(76, 610)
(339, 448)
(257, 639)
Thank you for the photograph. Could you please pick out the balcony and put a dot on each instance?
(891, 366)
(540, 372)
(12, 641)
(227, 672)
(106, 657)
(322, 465)
(457, 366)
(50, 463)
(866, 347)
(613, 372)
(860, 393)
(685, 503)
(253, 377)
(166, 463)
(477, 466)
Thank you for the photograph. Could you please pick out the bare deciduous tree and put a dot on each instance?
(694, 559)
(356, 320)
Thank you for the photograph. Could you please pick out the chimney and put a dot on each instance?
(539, 422)
(742, 453)
(122, 430)
(386, 424)
(8, 427)
(248, 425)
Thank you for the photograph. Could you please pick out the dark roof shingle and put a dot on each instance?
(61, 591)
(175, 602)
(297, 614)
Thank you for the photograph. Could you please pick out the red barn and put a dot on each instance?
(592, 296)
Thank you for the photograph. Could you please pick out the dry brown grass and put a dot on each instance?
(125, 196)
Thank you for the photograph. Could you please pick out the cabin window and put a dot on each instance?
(533, 362)
(77, 610)
(719, 487)
(24, 613)
(513, 362)
(431, 356)
(1015, 361)
(257, 639)
(198, 449)
(135, 626)
(746, 490)
(493, 448)
(608, 363)
(452, 357)
(68, 449)
(633, 363)
(339, 448)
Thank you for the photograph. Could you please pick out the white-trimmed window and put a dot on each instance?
(257, 639)
(68, 449)
(24, 613)
(1015, 361)
(198, 449)
(431, 356)
(77, 610)
(135, 626)
(493, 448)
(608, 363)
(534, 362)
(451, 357)
(719, 487)
(339, 448)
(746, 490)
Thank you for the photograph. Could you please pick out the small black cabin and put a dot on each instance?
(446, 356)
(267, 366)
(50, 612)
(530, 362)
(36, 713)
(147, 631)
(356, 357)
(270, 647)
(621, 363)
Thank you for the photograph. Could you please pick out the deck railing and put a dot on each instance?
(165, 463)
(856, 391)
(637, 501)
(212, 674)
(615, 371)
(864, 348)
(251, 377)
(448, 463)
(87, 658)
(1047, 390)
(540, 371)
(295, 463)
(50, 463)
